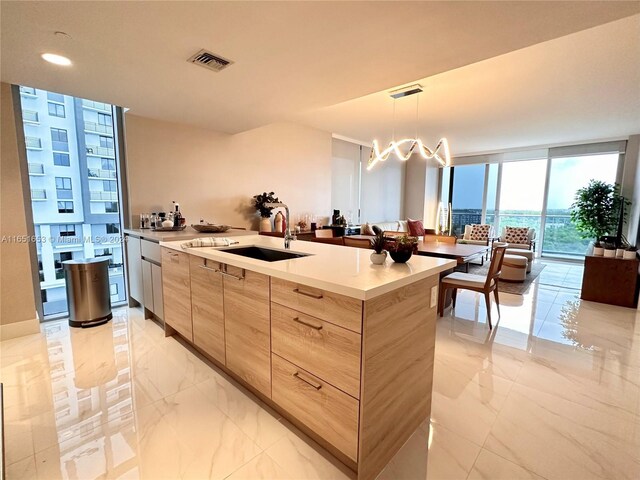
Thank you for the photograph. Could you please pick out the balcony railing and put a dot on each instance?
(98, 128)
(30, 116)
(104, 196)
(28, 91)
(33, 143)
(97, 151)
(105, 107)
(38, 194)
(36, 169)
(99, 173)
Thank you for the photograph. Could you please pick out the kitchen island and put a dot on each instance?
(341, 347)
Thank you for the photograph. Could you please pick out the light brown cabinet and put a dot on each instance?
(176, 292)
(322, 348)
(207, 307)
(247, 323)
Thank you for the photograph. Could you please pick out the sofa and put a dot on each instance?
(394, 226)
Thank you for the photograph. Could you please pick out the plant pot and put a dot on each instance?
(629, 255)
(402, 256)
(619, 252)
(609, 253)
(378, 258)
(265, 224)
(598, 251)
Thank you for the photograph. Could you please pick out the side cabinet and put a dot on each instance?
(176, 292)
(207, 306)
(248, 327)
(134, 263)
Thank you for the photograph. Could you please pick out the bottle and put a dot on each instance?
(176, 215)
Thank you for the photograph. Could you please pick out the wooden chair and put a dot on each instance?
(357, 242)
(324, 233)
(477, 283)
(440, 238)
(330, 240)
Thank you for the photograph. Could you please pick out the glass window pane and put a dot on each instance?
(492, 195)
(468, 188)
(522, 194)
(567, 176)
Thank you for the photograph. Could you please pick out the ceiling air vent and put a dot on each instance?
(209, 60)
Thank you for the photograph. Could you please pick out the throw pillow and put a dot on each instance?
(479, 232)
(403, 226)
(416, 228)
(519, 235)
(366, 229)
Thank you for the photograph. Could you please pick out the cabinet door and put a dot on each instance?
(147, 286)
(134, 264)
(247, 327)
(176, 292)
(156, 280)
(207, 306)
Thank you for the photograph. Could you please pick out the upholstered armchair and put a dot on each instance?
(481, 235)
(519, 237)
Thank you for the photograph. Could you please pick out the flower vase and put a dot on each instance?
(378, 258)
(265, 224)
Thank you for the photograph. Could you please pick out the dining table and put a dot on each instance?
(462, 253)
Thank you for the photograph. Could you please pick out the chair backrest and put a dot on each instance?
(330, 240)
(393, 233)
(531, 235)
(467, 232)
(324, 233)
(496, 266)
(440, 238)
(357, 242)
(429, 231)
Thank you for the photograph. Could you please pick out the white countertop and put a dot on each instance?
(186, 234)
(343, 270)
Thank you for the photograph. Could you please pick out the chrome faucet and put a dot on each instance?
(287, 234)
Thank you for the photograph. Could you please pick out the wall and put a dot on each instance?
(17, 300)
(382, 197)
(214, 175)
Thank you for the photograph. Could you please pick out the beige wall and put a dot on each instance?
(214, 175)
(17, 301)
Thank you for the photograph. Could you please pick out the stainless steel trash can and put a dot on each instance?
(88, 294)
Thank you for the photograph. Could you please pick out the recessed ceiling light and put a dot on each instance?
(56, 59)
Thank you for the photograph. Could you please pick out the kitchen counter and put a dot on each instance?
(184, 235)
(343, 270)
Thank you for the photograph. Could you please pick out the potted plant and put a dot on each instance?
(598, 249)
(598, 210)
(259, 202)
(610, 251)
(379, 255)
(630, 253)
(401, 248)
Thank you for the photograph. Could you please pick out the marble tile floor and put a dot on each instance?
(553, 392)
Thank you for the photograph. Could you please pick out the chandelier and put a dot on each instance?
(440, 153)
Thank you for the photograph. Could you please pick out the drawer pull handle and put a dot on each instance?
(310, 325)
(214, 270)
(241, 277)
(307, 294)
(308, 381)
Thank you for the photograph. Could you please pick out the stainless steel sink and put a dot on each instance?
(264, 254)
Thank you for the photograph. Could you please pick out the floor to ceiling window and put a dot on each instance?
(73, 177)
(567, 175)
(529, 193)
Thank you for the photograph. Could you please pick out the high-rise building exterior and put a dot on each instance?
(74, 189)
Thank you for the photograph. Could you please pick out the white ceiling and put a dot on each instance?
(582, 87)
(300, 60)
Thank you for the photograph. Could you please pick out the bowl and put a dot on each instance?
(210, 228)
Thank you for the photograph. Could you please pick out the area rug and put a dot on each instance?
(516, 288)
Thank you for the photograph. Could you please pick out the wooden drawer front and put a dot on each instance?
(151, 251)
(247, 323)
(329, 412)
(207, 307)
(176, 291)
(326, 350)
(337, 309)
